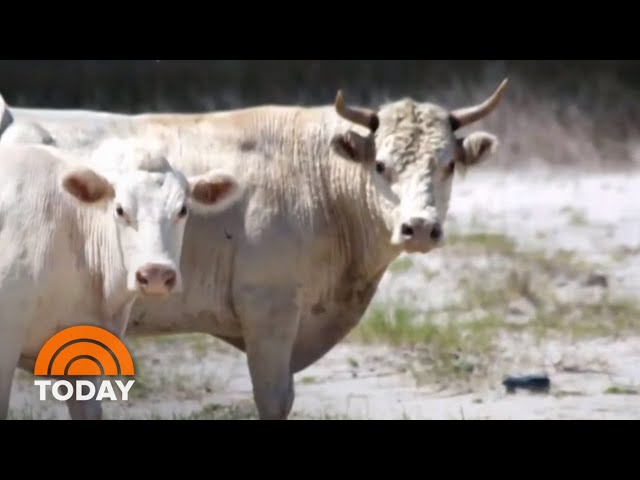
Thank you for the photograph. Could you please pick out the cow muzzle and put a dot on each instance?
(418, 235)
(156, 279)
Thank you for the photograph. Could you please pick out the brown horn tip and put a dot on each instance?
(361, 116)
(374, 122)
(339, 103)
(467, 115)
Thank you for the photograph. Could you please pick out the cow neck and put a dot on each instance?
(364, 216)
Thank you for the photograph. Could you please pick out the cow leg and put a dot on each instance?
(9, 356)
(270, 322)
(6, 380)
(85, 409)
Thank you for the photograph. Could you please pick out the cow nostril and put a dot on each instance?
(142, 280)
(406, 230)
(436, 232)
(171, 280)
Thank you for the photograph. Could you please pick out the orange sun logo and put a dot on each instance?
(84, 351)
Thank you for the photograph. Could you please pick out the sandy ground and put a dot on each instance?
(540, 275)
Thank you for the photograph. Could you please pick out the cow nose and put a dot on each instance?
(419, 226)
(156, 279)
(436, 232)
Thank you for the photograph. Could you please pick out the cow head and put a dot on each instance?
(417, 152)
(148, 203)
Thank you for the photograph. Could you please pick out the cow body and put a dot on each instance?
(78, 247)
(302, 253)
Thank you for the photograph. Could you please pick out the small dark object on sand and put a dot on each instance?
(597, 280)
(535, 383)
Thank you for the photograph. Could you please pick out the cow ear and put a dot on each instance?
(213, 191)
(87, 186)
(354, 147)
(477, 147)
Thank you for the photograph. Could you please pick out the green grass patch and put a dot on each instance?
(446, 349)
(577, 218)
(494, 242)
(620, 390)
(401, 265)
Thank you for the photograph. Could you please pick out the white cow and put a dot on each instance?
(80, 241)
(301, 255)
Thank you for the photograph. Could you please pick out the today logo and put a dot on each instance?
(84, 351)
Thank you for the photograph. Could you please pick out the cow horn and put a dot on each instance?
(362, 116)
(464, 116)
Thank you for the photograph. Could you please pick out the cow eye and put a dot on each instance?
(450, 167)
(120, 211)
(183, 212)
(380, 167)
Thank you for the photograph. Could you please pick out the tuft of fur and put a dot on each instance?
(137, 153)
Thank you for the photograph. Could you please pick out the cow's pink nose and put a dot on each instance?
(156, 279)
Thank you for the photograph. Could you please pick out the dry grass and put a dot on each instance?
(245, 411)
(460, 342)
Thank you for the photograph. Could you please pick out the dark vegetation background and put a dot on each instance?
(568, 113)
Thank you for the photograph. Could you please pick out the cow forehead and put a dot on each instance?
(413, 133)
(151, 190)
